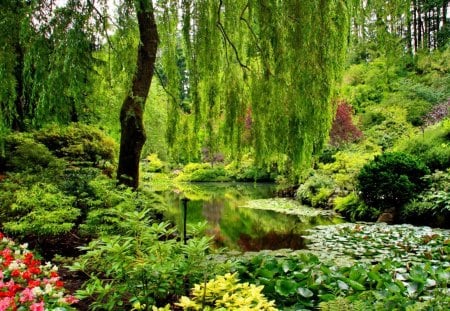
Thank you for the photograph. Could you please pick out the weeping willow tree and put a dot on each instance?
(46, 61)
(262, 68)
(273, 62)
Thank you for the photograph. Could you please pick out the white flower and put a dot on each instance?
(48, 288)
(23, 246)
(37, 291)
(13, 265)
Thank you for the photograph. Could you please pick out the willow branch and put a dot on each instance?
(103, 20)
(227, 39)
(163, 85)
(241, 17)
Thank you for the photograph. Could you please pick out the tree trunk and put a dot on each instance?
(18, 123)
(416, 38)
(131, 115)
(444, 13)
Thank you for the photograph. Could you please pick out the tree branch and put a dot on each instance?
(227, 39)
(164, 87)
(103, 20)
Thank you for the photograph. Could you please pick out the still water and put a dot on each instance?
(234, 218)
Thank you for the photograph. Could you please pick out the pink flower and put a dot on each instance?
(70, 299)
(5, 303)
(26, 295)
(37, 306)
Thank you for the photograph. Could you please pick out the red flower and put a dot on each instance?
(54, 274)
(59, 283)
(15, 273)
(34, 270)
(27, 275)
(34, 283)
(28, 259)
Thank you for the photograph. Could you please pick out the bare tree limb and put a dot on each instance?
(227, 38)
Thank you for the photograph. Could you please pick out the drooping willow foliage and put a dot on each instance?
(50, 51)
(268, 67)
(249, 75)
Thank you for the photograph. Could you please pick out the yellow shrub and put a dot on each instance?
(225, 293)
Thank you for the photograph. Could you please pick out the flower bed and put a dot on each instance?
(27, 284)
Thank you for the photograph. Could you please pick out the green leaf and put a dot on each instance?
(327, 297)
(267, 273)
(289, 265)
(355, 285)
(285, 287)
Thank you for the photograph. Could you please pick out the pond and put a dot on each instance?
(244, 216)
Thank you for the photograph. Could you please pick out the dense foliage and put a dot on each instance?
(391, 180)
(243, 90)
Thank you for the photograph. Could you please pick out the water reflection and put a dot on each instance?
(236, 227)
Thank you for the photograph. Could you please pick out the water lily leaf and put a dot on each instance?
(305, 292)
(444, 276)
(411, 288)
(289, 265)
(430, 283)
(400, 277)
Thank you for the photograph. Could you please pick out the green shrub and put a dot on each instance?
(192, 167)
(390, 131)
(347, 164)
(433, 205)
(391, 180)
(78, 143)
(42, 210)
(23, 153)
(316, 190)
(203, 172)
(372, 118)
(226, 293)
(354, 209)
(416, 111)
(420, 91)
(106, 203)
(211, 174)
(153, 164)
(245, 170)
(432, 146)
(143, 265)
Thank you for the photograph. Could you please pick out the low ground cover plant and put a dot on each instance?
(361, 267)
(27, 284)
